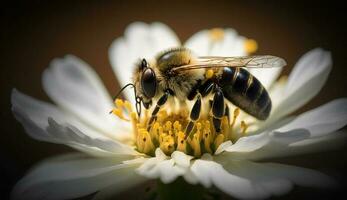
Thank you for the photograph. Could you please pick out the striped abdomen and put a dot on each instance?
(245, 91)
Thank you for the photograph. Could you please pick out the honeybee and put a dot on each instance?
(177, 73)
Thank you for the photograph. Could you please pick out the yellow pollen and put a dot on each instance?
(122, 106)
(209, 74)
(119, 114)
(250, 46)
(167, 132)
(216, 34)
(119, 103)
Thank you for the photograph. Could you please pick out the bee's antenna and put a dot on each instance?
(121, 90)
(137, 99)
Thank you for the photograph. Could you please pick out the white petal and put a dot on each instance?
(149, 168)
(322, 120)
(140, 41)
(190, 177)
(212, 173)
(281, 144)
(38, 112)
(222, 147)
(164, 168)
(199, 43)
(69, 177)
(276, 92)
(255, 142)
(70, 135)
(74, 86)
(276, 179)
(43, 121)
(230, 45)
(331, 141)
(305, 81)
(181, 158)
(265, 145)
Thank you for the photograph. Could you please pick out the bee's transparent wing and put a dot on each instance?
(266, 61)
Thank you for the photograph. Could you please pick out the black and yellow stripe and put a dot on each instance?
(245, 91)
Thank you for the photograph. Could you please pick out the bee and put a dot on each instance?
(177, 73)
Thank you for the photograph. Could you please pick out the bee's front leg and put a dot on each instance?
(160, 103)
(218, 109)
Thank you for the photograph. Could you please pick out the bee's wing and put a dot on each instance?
(266, 61)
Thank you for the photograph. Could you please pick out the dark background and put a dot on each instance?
(34, 32)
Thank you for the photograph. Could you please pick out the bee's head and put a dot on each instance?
(145, 82)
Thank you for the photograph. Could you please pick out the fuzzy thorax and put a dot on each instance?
(167, 132)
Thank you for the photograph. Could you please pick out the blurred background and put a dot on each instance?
(35, 32)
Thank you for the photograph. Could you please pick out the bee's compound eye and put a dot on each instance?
(149, 82)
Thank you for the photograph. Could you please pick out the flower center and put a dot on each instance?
(167, 132)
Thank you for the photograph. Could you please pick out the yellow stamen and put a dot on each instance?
(195, 144)
(250, 46)
(119, 114)
(128, 106)
(134, 122)
(244, 128)
(177, 127)
(168, 126)
(148, 145)
(236, 114)
(167, 132)
(167, 144)
(219, 140)
(119, 103)
(207, 140)
(154, 132)
(139, 140)
(181, 142)
(198, 129)
(225, 127)
(216, 34)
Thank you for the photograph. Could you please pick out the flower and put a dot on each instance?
(113, 157)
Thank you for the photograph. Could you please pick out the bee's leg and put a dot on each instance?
(218, 108)
(160, 103)
(206, 88)
(194, 115)
(202, 91)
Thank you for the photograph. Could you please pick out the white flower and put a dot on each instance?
(81, 120)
